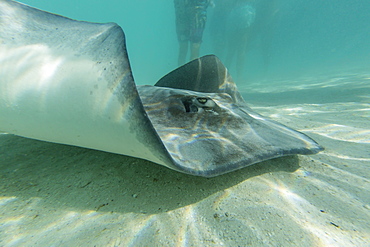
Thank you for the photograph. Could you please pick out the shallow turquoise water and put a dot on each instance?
(316, 80)
(302, 38)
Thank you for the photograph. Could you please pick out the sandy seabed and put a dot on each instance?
(58, 195)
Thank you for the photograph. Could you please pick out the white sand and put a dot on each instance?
(56, 195)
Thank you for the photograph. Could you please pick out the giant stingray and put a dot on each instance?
(70, 82)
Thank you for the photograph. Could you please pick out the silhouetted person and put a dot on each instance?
(239, 23)
(236, 24)
(191, 17)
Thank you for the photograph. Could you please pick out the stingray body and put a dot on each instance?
(70, 82)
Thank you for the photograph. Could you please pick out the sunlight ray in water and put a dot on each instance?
(345, 157)
(138, 230)
(6, 199)
(308, 83)
(185, 232)
(68, 223)
(305, 214)
(343, 197)
(342, 133)
(189, 232)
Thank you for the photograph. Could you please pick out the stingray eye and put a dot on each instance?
(205, 103)
(202, 100)
(198, 104)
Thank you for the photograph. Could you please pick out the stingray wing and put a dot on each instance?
(70, 82)
(225, 136)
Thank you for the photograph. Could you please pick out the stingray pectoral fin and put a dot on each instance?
(70, 82)
(212, 131)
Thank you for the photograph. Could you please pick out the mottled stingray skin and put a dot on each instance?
(70, 82)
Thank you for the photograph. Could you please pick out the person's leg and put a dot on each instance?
(183, 51)
(194, 50)
(241, 56)
(197, 24)
(182, 29)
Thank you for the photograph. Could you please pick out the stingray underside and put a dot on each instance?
(70, 82)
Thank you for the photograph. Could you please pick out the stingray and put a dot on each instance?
(70, 82)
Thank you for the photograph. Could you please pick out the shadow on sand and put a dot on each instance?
(81, 179)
